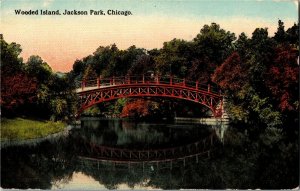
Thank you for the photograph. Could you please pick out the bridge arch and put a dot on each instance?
(102, 90)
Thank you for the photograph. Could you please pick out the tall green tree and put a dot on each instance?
(11, 62)
(214, 42)
(280, 35)
(293, 35)
(173, 58)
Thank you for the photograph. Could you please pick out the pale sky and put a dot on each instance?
(62, 39)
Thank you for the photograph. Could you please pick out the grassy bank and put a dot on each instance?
(22, 129)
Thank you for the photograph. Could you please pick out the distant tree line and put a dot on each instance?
(259, 75)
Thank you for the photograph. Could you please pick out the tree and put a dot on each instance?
(280, 35)
(17, 90)
(11, 63)
(137, 108)
(262, 84)
(232, 74)
(89, 73)
(261, 54)
(201, 70)
(172, 58)
(282, 79)
(78, 67)
(39, 69)
(214, 42)
(142, 65)
(242, 45)
(293, 35)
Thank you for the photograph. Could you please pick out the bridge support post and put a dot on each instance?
(82, 84)
(128, 80)
(99, 82)
(113, 80)
(197, 84)
(143, 79)
(208, 88)
(183, 82)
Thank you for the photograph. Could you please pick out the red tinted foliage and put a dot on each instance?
(136, 108)
(282, 78)
(17, 89)
(231, 75)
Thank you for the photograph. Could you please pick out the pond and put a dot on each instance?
(124, 154)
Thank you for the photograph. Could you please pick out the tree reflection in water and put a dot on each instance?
(248, 158)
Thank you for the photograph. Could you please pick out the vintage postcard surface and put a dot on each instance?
(153, 94)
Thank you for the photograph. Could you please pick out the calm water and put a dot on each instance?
(121, 154)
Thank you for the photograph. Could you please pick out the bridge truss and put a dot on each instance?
(99, 90)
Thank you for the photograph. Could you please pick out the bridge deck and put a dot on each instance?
(79, 90)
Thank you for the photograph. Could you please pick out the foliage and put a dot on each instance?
(36, 67)
(136, 108)
(258, 74)
(142, 65)
(17, 87)
(92, 111)
(260, 78)
(172, 58)
(10, 60)
(214, 42)
(282, 79)
(56, 98)
(232, 74)
(108, 61)
(16, 90)
(32, 89)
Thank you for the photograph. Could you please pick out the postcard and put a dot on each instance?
(156, 94)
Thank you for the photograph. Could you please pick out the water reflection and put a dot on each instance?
(220, 129)
(245, 159)
(129, 134)
(79, 179)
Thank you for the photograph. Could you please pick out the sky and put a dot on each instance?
(61, 39)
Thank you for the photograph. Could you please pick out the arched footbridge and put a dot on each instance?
(94, 91)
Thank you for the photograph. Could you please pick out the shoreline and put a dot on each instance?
(34, 141)
(207, 121)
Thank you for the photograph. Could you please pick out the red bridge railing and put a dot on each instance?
(147, 79)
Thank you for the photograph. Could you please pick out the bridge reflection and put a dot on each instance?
(99, 154)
